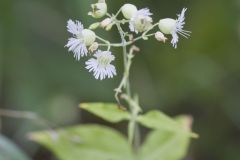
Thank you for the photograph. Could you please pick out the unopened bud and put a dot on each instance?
(98, 9)
(128, 10)
(93, 47)
(167, 25)
(109, 27)
(160, 37)
(94, 26)
(106, 22)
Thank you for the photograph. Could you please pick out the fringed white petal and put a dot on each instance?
(179, 28)
(77, 47)
(74, 27)
(100, 65)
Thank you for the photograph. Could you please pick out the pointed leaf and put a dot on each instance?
(88, 142)
(158, 120)
(108, 111)
(166, 145)
(9, 150)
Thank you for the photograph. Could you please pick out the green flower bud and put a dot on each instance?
(94, 26)
(128, 10)
(109, 27)
(98, 10)
(167, 25)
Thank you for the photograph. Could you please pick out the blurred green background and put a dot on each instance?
(200, 78)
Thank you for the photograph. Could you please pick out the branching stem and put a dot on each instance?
(123, 91)
(125, 83)
(127, 43)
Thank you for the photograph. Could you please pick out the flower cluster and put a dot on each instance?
(83, 38)
(85, 41)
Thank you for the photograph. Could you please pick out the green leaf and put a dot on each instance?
(158, 120)
(108, 111)
(87, 142)
(166, 145)
(9, 151)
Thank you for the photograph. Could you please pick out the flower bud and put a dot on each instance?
(109, 27)
(98, 9)
(167, 25)
(88, 37)
(106, 22)
(93, 47)
(128, 10)
(160, 37)
(94, 26)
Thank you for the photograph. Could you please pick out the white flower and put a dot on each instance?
(80, 40)
(141, 21)
(174, 27)
(100, 65)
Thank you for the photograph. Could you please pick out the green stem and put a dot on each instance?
(127, 83)
(119, 11)
(125, 59)
(133, 130)
(125, 75)
(134, 108)
(107, 43)
(126, 43)
(153, 26)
